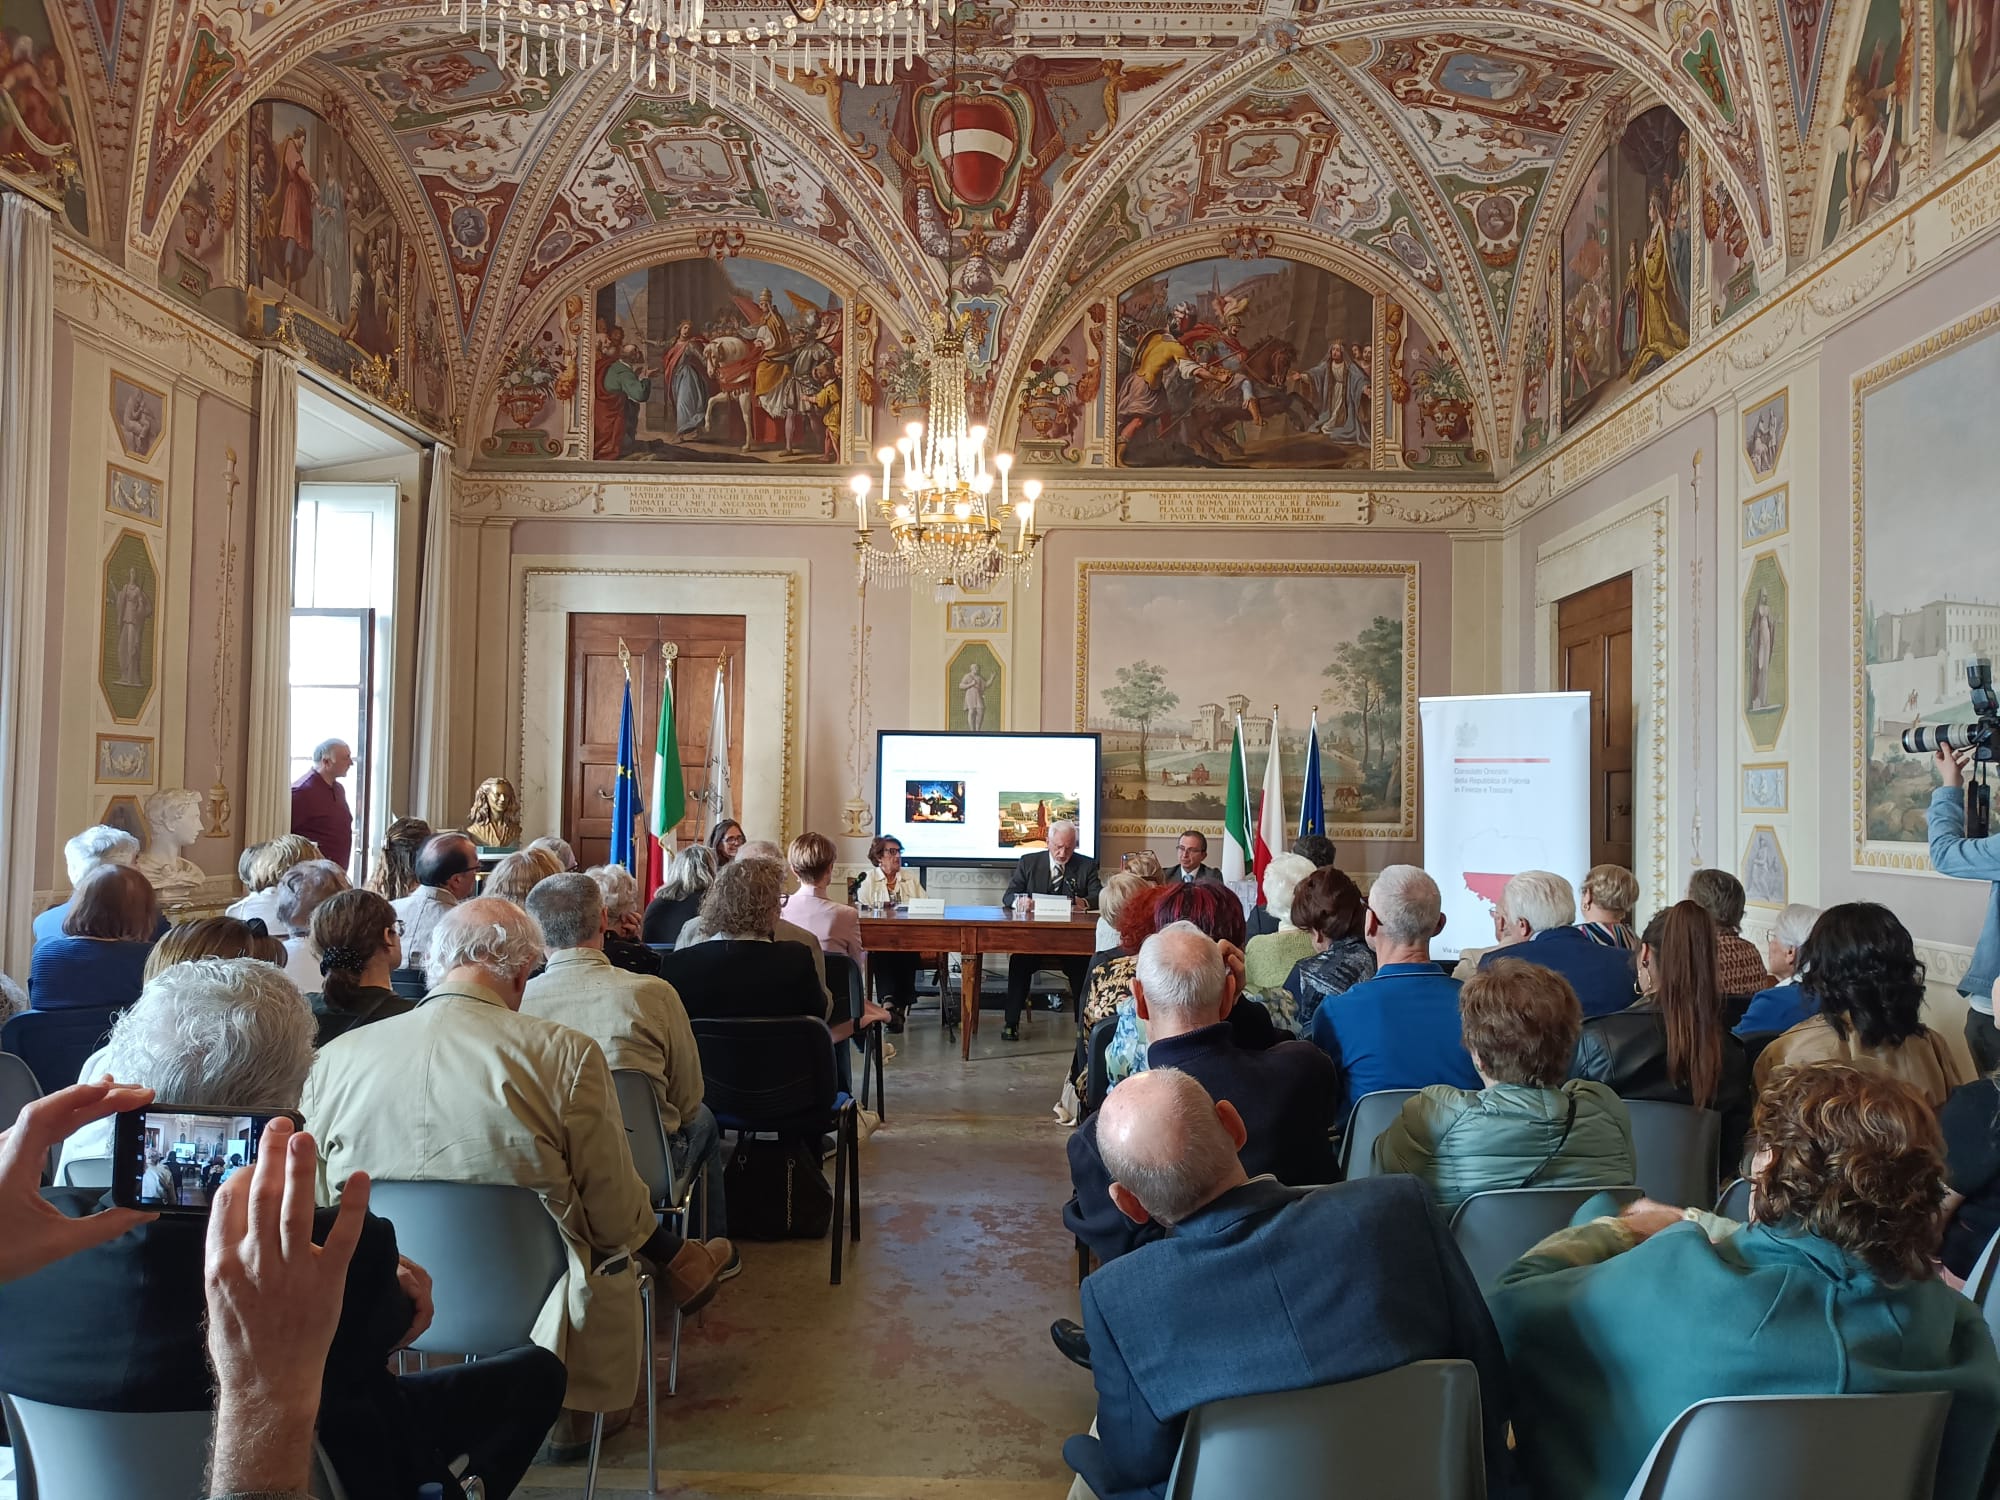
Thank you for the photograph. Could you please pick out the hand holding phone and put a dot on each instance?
(37, 1233)
(174, 1158)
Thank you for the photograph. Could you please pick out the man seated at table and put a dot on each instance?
(1061, 871)
(1244, 1298)
(1536, 921)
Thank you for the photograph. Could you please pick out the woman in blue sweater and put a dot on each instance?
(100, 957)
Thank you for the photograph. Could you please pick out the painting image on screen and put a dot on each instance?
(1025, 818)
(934, 801)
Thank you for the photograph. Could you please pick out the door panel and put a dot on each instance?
(596, 696)
(1594, 655)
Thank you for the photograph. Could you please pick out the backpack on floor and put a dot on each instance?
(775, 1190)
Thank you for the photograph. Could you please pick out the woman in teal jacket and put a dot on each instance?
(1528, 1127)
(1829, 1290)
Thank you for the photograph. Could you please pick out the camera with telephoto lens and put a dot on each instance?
(1981, 737)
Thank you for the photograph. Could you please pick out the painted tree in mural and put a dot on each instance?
(1139, 694)
(1367, 675)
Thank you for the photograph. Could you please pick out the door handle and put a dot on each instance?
(605, 796)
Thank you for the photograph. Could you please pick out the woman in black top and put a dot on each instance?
(360, 941)
(688, 876)
(1970, 1118)
(1673, 1046)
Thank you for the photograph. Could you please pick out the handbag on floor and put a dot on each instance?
(775, 1190)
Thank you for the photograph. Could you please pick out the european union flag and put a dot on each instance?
(625, 804)
(1312, 803)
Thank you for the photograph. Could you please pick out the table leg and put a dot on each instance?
(968, 1002)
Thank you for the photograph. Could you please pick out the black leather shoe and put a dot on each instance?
(1069, 1339)
(1010, 1034)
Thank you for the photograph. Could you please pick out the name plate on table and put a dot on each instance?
(927, 906)
(1051, 908)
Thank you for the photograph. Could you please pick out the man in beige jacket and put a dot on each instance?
(636, 1018)
(465, 1089)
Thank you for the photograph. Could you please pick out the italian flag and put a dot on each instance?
(1236, 815)
(668, 804)
(1270, 836)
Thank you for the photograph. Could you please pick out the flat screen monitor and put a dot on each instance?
(956, 798)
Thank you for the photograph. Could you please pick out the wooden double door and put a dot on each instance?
(1594, 655)
(596, 696)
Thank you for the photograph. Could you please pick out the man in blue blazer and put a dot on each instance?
(1238, 1300)
(1536, 922)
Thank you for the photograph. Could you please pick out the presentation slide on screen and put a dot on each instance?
(1506, 789)
(984, 796)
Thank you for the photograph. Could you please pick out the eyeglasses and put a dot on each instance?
(399, 926)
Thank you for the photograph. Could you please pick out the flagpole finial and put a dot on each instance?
(669, 651)
(625, 658)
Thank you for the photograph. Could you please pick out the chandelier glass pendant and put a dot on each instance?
(673, 43)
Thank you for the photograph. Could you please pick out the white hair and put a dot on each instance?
(216, 1032)
(570, 909)
(688, 873)
(1161, 1142)
(560, 848)
(1407, 903)
(1069, 823)
(1794, 924)
(1281, 881)
(484, 933)
(98, 845)
(323, 751)
(761, 849)
(1541, 899)
(1182, 972)
(618, 888)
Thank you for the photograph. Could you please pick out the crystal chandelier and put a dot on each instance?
(947, 525)
(672, 42)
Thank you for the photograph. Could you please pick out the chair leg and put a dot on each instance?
(674, 1357)
(854, 1174)
(881, 1096)
(653, 1390)
(839, 1193)
(596, 1452)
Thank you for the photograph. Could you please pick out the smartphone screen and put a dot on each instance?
(171, 1158)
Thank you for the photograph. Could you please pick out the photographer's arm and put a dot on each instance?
(1952, 853)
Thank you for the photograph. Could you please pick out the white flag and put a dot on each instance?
(721, 796)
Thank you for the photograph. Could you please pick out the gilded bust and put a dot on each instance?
(495, 819)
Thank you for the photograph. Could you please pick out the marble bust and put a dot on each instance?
(174, 821)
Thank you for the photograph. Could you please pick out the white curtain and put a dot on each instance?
(430, 765)
(27, 412)
(267, 795)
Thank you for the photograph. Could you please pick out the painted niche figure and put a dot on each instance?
(975, 685)
(1763, 639)
(294, 195)
(684, 372)
(622, 387)
(1628, 307)
(1662, 314)
(1343, 396)
(330, 240)
(133, 609)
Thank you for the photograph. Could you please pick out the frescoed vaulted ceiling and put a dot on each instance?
(1434, 147)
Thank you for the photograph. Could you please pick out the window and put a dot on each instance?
(343, 640)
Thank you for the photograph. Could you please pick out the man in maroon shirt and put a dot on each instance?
(319, 805)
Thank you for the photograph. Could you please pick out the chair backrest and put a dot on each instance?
(1495, 1229)
(648, 1136)
(63, 1452)
(18, 1088)
(843, 982)
(55, 1044)
(767, 1072)
(1678, 1150)
(1735, 1202)
(1413, 1433)
(1097, 1064)
(493, 1253)
(1799, 1448)
(1371, 1115)
(87, 1172)
(410, 983)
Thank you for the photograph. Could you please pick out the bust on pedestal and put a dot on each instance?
(174, 819)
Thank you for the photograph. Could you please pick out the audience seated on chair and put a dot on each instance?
(1260, 1287)
(1536, 921)
(1332, 913)
(1284, 1094)
(466, 1089)
(1268, 957)
(1786, 1003)
(1213, 908)
(623, 921)
(743, 970)
(260, 869)
(1829, 1289)
(447, 872)
(637, 1019)
(355, 935)
(1400, 1029)
(1739, 967)
(98, 845)
(835, 924)
(392, 874)
(1970, 1123)
(1608, 895)
(519, 873)
(119, 1327)
(697, 929)
(1127, 903)
(678, 899)
(1530, 1125)
(98, 957)
(1861, 967)
(301, 890)
(1672, 1045)
(1318, 851)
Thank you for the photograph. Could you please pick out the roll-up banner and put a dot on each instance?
(1506, 789)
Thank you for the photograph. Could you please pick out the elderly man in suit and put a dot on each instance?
(1536, 922)
(1236, 1300)
(466, 1088)
(1059, 872)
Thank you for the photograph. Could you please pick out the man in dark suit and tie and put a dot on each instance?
(1237, 1299)
(1060, 872)
(1193, 851)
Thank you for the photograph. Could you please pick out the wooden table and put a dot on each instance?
(971, 931)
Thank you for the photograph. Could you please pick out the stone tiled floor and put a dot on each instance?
(928, 1373)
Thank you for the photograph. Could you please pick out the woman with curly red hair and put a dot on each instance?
(1830, 1289)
